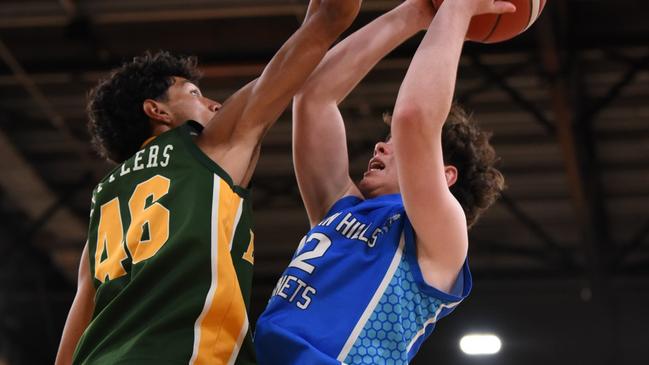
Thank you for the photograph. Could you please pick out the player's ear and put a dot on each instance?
(157, 112)
(450, 172)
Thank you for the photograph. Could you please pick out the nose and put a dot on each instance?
(380, 148)
(214, 106)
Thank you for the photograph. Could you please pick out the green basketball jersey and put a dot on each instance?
(171, 253)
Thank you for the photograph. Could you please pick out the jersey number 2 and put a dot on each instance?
(147, 233)
(300, 260)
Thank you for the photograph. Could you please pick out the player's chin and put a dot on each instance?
(366, 180)
(368, 186)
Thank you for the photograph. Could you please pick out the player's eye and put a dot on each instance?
(195, 92)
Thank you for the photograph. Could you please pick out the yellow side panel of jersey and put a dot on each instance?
(221, 327)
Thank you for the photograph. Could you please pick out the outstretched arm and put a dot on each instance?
(233, 136)
(319, 141)
(422, 106)
(80, 312)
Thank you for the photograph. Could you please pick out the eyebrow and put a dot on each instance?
(185, 82)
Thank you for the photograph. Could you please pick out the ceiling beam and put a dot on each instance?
(39, 98)
(560, 63)
(501, 81)
(30, 194)
(575, 159)
(466, 96)
(35, 15)
(634, 244)
(635, 67)
(555, 253)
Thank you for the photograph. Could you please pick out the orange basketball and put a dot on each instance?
(492, 28)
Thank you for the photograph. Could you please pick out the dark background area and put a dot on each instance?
(560, 263)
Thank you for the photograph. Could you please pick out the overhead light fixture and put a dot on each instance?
(480, 344)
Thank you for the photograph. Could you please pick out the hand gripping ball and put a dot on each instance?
(493, 28)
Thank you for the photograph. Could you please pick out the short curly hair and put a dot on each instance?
(479, 183)
(117, 122)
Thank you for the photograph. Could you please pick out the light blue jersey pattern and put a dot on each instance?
(353, 292)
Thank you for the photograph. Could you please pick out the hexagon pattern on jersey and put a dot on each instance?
(400, 314)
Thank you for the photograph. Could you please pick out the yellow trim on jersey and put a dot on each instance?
(249, 255)
(218, 330)
(148, 140)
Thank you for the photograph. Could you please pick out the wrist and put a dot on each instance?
(459, 7)
(418, 12)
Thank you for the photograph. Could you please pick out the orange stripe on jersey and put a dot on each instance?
(219, 328)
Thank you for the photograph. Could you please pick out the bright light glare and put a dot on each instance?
(480, 344)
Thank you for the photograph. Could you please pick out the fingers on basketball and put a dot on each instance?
(510, 18)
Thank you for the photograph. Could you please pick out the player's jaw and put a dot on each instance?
(380, 178)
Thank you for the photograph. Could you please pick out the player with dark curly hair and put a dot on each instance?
(117, 123)
(166, 273)
(466, 147)
(385, 259)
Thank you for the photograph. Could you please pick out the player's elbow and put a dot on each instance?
(301, 98)
(309, 94)
(415, 116)
(408, 113)
(311, 100)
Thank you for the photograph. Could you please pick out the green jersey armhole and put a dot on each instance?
(185, 136)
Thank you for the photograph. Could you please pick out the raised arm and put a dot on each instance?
(233, 136)
(422, 106)
(319, 141)
(80, 312)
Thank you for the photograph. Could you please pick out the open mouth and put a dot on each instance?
(375, 165)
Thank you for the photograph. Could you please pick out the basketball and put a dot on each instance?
(493, 28)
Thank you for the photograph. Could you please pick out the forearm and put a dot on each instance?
(78, 319)
(422, 107)
(350, 60)
(233, 135)
(430, 81)
(294, 62)
(80, 313)
(322, 169)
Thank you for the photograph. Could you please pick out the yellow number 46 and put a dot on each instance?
(110, 250)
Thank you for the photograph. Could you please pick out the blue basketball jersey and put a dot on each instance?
(353, 292)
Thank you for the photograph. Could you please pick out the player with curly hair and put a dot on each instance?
(166, 273)
(385, 259)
